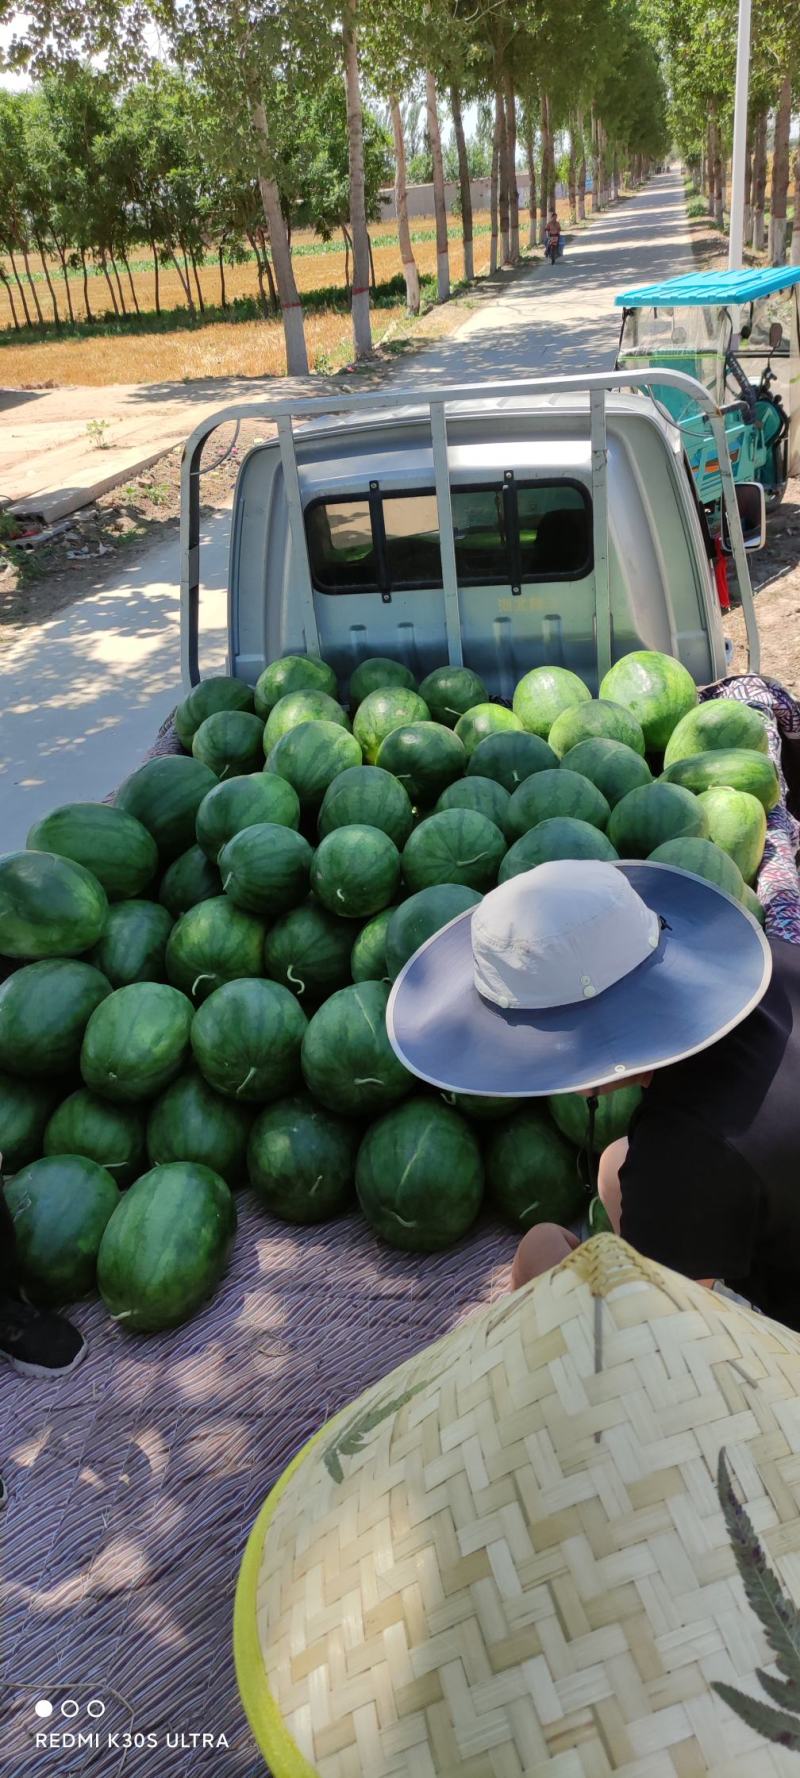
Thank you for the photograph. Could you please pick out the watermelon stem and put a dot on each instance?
(247, 1079)
(297, 980)
(200, 978)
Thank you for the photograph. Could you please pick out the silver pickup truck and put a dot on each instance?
(499, 525)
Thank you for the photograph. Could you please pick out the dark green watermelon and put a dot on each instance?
(111, 1135)
(265, 869)
(230, 743)
(356, 871)
(308, 951)
(44, 1011)
(458, 846)
(311, 756)
(416, 920)
(244, 802)
(549, 794)
(25, 1106)
(719, 723)
(165, 795)
(188, 880)
(378, 674)
(136, 1042)
(297, 707)
(166, 1246)
(482, 794)
(301, 1160)
(750, 901)
(544, 693)
(370, 797)
(419, 1176)
(738, 768)
(510, 758)
(483, 720)
(368, 956)
(293, 672)
(560, 837)
(646, 818)
(60, 1206)
(211, 695)
(584, 722)
(214, 942)
(115, 847)
(450, 691)
(532, 1172)
(133, 946)
(348, 1062)
(705, 860)
(246, 1040)
(384, 710)
(49, 906)
(424, 757)
(190, 1122)
(656, 688)
(570, 1112)
(612, 766)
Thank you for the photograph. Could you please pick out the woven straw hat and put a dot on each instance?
(534, 1548)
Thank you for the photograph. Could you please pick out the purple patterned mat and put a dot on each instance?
(778, 884)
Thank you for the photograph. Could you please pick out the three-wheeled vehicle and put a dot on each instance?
(737, 333)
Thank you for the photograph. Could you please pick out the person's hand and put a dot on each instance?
(542, 1248)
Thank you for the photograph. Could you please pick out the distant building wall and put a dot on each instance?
(420, 197)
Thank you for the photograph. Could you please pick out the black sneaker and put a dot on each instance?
(37, 1342)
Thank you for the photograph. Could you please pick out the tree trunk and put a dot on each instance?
(183, 276)
(262, 295)
(759, 181)
(21, 289)
(581, 190)
(601, 166)
(615, 179)
(33, 290)
(595, 160)
(131, 283)
(439, 195)
(796, 218)
(65, 275)
(48, 281)
(373, 282)
(709, 194)
(544, 181)
(410, 272)
(154, 251)
(511, 161)
(201, 305)
(747, 228)
(86, 303)
(502, 179)
(291, 308)
(780, 174)
(104, 269)
(223, 295)
(115, 270)
(494, 193)
(359, 304)
(273, 294)
(347, 245)
(463, 183)
(530, 157)
(6, 283)
(571, 188)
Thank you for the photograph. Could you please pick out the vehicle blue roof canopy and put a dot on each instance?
(705, 289)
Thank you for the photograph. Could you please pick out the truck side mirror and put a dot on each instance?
(752, 506)
(775, 335)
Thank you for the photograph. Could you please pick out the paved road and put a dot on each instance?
(83, 696)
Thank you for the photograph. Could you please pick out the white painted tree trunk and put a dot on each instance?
(796, 221)
(291, 308)
(410, 272)
(463, 183)
(359, 306)
(494, 212)
(439, 198)
(780, 174)
(511, 163)
(530, 156)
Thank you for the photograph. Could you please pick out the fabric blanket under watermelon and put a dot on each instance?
(778, 884)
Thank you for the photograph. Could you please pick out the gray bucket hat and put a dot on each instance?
(576, 975)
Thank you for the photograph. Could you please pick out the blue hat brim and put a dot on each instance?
(711, 969)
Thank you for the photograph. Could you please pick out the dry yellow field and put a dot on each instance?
(222, 348)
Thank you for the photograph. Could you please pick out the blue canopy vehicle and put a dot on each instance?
(737, 334)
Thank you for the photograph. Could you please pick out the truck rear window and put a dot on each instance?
(505, 534)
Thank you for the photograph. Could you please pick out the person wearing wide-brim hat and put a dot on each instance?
(582, 977)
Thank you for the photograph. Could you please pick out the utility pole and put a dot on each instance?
(736, 241)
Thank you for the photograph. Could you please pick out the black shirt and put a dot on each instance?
(711, 1183)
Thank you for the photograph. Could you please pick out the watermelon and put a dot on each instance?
(210, 696)
(419, 1176)
(25, 1106)
(60, 1206)
(548, 794)
(416, 920)
(483, 720)
(115, 847)
(49, 906)
(598, 717)
(737, 768)
(657, 812)
(136, 1041)
(368, 956)
(188, 880)
(737, 822)
(450, 692)
(750, 901)
(297, 707)
(165, 795)
(484, 795)
(111, 1135)
(44, 1011)
(190, 1122)
(246, 1040)
(425, 757)
(656, 689)
(244, 802)
(458, 846)
(383, 710)
(511, 758)
(562, 836)
(544, 694)
(719, 723)
(230, 743)
(308, 951)
(166, 1246)
(704, 859)
(311, 756)
(348, 1062)
(293, 672)
(570, 1113)
(214, 942)
(378, 674)
(531, 1171)
(484, 1108)
(612, 766)
(265, 869)
(356, 871)
(133, 946)
(368, 797)
(301, 1160)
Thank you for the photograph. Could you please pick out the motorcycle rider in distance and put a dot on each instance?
(552, 236)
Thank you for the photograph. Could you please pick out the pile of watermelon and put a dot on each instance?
(196, 977)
